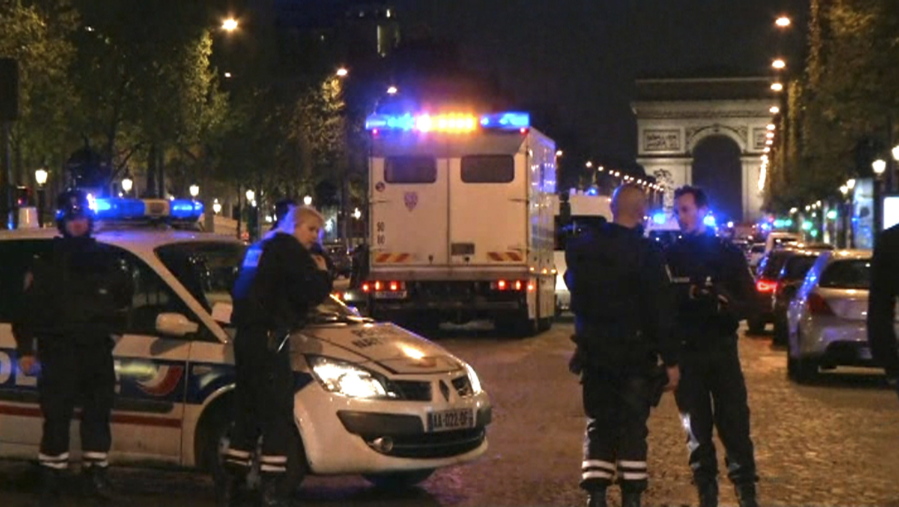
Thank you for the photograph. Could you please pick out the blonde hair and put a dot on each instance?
(294, 217)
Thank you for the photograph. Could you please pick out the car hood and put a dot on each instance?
(388, 345)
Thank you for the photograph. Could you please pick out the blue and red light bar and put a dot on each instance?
(123, 209)
(458, 123)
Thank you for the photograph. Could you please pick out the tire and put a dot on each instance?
(801, 370)
(399, 480)
(212, 440)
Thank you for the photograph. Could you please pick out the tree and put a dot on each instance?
(35, 34)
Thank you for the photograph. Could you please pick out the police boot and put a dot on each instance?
(50, 486)
(273, 493)
(227, 486)
(596, 497)
(630, 498)
(95, 483)
(746, 495)
(708, 493)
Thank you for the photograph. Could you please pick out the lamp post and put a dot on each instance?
(194, 190)
(40, 177)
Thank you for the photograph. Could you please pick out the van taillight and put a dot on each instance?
(515, 285)
(765, 286)
(817, 305)
(379, 286)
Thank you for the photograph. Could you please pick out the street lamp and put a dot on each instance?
(342, 72)
(127, 184)
(357, 213)
(879, 166)
(588, 165)
(194, 190)
(216, 207)
(307, 200)
(777, 87)
(230, 24)
(774, 110)
(40, 177)
(779, 64)
(783, 22)
(250, 195)
(850, 183)
(392, 90)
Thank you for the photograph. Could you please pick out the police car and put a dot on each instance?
(371, 398)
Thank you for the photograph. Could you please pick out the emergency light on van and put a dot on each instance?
(447, 122)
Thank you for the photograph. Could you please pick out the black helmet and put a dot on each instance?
(72, 204)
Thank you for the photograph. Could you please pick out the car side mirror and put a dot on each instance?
(175, 324)
(221, 312)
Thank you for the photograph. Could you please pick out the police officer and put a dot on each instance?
(714, 291)
(279, 282)
(73, 301)
(623, 301)
(882, 303)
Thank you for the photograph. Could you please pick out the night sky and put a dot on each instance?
(578, 58)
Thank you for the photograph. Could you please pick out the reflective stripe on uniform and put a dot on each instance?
(638, 465)
(273, 469)
(634, 476)
(59, 457)
(596, 474)
(589, 464)
(273, 460)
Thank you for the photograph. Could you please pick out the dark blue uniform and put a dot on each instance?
(715, 291)
(74, 301)
(882, 303)
(277, 286)
(623, 302)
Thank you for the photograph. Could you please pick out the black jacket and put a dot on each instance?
(77, 291)
(278, 284)
(622, 298)
(703, 267)
(882, 300)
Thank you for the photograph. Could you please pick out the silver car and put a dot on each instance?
(826, 318)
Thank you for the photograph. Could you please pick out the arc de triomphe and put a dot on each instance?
(709, 132)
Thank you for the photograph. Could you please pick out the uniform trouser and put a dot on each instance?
(264, 396)
(617, 407)
(72, 373)
(712, 392)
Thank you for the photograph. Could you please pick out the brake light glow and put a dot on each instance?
(765, 285)
(379, 286)
(817, 305)
(512, 285)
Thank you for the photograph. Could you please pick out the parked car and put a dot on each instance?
(756, 252)
(765, 283)
(826, 320)
(780, 239)
(788, 281)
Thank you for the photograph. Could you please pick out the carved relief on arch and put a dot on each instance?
(695, 135)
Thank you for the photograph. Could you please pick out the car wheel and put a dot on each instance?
(399, 480)
(801, 370)
(214, 437)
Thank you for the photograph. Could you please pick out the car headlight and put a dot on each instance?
(345, 378)
(473, 379)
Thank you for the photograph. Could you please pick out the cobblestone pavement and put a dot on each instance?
(830, 444)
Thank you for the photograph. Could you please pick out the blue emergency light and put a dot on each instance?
(447, 122)
(710, 221)
(124, 209)
(660, 218)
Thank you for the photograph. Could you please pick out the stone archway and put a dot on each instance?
(718, 169)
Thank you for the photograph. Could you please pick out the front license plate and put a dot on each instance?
(450, 420)
(398, 294)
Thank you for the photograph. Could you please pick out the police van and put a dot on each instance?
(371, 398)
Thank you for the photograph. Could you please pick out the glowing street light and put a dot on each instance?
(230, 24)
(850, 183)
(844, 190)
(342, 72)
(774, 110)
(250, 195)
(559, 153)
(357, 213)
(127, 184)
(783, 22)
(777, 87)
(307, 200)
(589, 164)
(227, 74)
(216, 207)
(779, 64)
(194, 190)
(392, 90)
(770, 126)
(40, 176)
(879, 166)
(769, 135)
(895, 152)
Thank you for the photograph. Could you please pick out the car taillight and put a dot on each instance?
(765, 286)
(515, 285)
(379, 286)
(817, 305)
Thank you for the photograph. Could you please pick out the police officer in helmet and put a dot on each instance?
(279, 282)
(714, 292)
(622, 299)
(75, 297)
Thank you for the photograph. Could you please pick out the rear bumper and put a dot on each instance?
(845, 344)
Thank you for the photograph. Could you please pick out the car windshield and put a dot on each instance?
(849, 274)
(332, 310)
(797, 267)
(207, 269)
